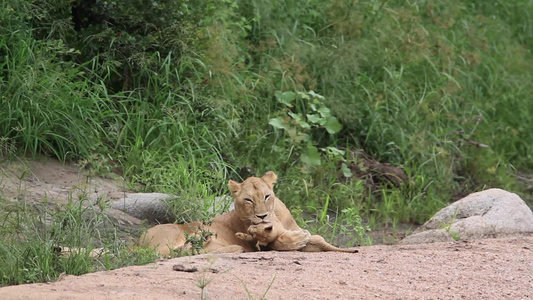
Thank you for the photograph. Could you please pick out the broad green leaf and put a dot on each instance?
(346, 171)
(304, 124)
(278, 149)
(332, 125)
(312, 157)
(301, 137)
(291, 130)
(285, 97)
(324, 111)
(314, 118)
(277, 123)
(303, 95)
(335, 151)
(296, 117)
(315, 95)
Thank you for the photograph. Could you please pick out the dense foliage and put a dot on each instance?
(183, 95)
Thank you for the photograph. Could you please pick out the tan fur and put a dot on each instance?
(255, 203)
(266, 233)
(272, 235)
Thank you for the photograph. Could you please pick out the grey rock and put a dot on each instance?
(428, 236)
(491, 213)
(146, 206)
(155, 208)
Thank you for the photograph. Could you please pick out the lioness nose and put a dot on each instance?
(261, 216)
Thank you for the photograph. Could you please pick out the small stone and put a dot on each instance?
(182, 268)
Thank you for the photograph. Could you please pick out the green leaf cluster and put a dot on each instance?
(301, 115)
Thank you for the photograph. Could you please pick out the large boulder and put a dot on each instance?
(146, 206)
(155, 208)
(488, 214)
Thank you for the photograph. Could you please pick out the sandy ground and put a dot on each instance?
(485, 269)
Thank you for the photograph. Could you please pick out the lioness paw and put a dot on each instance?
(305, 240)
(244, 236)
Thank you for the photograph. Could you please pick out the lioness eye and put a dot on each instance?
(249, 200)
(267, 196)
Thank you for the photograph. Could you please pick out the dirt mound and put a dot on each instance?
(485, 269)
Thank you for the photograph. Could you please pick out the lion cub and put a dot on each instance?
(271, 235)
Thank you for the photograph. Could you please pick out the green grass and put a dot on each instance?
(183, 102)
(32, 236)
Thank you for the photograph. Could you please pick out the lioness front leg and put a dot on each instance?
(291, 240)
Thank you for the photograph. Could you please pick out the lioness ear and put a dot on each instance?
(234, 187)
(270, 178)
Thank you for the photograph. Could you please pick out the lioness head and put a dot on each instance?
(254, 198)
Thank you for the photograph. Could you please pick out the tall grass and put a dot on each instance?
(31, 242)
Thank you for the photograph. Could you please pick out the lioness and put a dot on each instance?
(255, 203)
(272, 236)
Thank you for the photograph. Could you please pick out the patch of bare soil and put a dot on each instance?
(485, 269)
